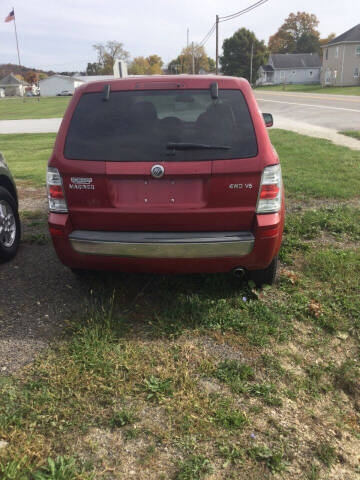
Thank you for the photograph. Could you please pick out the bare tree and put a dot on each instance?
(106, 55)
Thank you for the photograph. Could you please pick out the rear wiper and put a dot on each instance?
(195, 146)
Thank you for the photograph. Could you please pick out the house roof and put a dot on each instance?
(57, 75)
(11, 80)
(93, 78)
(296, 60)
(352, 35)
(81, 78)
(267, 68)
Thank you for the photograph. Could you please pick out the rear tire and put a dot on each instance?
(9, 226)
(266, 276)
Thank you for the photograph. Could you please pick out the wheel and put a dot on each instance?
(266, 276)
(9, 226)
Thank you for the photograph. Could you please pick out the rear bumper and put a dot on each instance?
(165, 253)
(163, 245)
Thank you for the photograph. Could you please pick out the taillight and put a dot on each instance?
(56, 195)
(269, 200)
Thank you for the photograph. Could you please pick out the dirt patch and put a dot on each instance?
(301, 206)
(31, 198)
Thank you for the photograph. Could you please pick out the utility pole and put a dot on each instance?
(193, 59)
(217, 45)
(251, 63)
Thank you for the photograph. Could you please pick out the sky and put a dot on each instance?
(58, 34)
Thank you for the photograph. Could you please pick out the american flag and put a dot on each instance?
(11, 16)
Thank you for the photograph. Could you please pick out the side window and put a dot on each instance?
(310, 73)
(327, 54)
(294, 73)
(337, 52)
(357, 50)
(282, 75)
(356, 72)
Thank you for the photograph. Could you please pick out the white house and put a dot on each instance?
(12, 86)
(290, 68)
(51, 86)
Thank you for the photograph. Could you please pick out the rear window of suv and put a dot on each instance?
(140, 126)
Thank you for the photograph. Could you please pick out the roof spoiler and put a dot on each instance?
(214, 90)
(106, 92)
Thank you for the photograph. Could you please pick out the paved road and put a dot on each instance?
(46, 125)
(337, 112)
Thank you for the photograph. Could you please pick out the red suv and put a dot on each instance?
(170, 174)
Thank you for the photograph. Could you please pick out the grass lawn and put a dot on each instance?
(352, 133)
(47, 107)
(27, 155)
(313, 89)
(202, 376)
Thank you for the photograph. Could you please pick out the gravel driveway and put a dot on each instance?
(37, 295)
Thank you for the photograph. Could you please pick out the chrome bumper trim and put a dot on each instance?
(163, 244)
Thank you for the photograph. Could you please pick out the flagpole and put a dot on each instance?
(17, 43)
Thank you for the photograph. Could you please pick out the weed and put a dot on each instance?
(59, 469)
(234, 374)
(313, 472)
(266, 392)
(273, 459)
(347, 377)
(37, 238)
(62, 468)
(229, 418)
(122, 418)
(231, 454)
(194, 467)
(326, 453)
(157, 388)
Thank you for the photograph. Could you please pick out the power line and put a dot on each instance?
(208, 35)
(242, 12)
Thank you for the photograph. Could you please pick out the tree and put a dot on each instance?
(298, 34)
(326, 40)
(106, 55)
(236, 58)
(19, 77)
(156, 64)
(192, 56)
(150, 65)
(31, 77)
(93, 69)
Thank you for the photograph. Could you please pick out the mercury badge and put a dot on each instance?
(157, 171)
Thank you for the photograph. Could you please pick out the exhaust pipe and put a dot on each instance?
(238, 272)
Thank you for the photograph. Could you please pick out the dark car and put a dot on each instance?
(166, 175)
(9, 215)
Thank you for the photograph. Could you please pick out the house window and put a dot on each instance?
(335, 74)
(327, 54)
(357, 50)
(356, 72)
(310, 73)
(282, 75)
(337, 52)
(294, 72)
